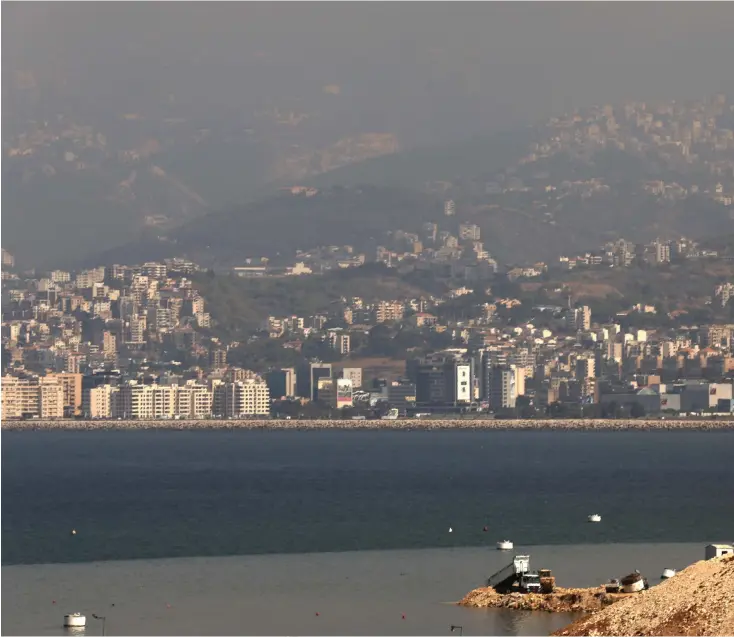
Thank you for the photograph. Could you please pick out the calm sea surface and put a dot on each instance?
(359, 521)
(354, 593)
(153, 494)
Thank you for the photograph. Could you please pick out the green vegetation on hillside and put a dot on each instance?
(687, 286)
(239, 306)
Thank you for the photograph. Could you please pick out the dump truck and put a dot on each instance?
(547, 581)
(516, 576)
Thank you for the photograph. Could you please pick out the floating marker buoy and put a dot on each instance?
(403, 616)
(73, 531)
(485, 529)
(317, 614)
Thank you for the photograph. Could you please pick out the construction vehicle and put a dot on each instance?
(547, 581)
(516, 576)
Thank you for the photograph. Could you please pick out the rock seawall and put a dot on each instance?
(408, 424)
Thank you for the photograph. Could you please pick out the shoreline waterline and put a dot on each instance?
(401, 424)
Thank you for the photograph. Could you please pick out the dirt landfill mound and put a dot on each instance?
(561, 600)
(697, 601)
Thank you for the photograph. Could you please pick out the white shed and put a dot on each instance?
(717, 550)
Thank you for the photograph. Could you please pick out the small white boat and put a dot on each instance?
(505, 545)
(594, 517)
(451, 530)
(667, 573)
(75, 620)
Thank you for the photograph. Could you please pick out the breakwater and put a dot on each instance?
(406, 423)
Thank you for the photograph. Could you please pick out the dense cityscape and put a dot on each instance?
(457, 333)
(367, 318)
(137, 342)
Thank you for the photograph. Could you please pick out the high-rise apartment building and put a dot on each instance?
(662, 251)
(586, 368)
(502, 387)
(340, 342)
(247, 398)
(218, 357)
(389, 311)
(109, 344)
(19, 397)
(42, 397)
(72, 389)
(580, 318)
(97, 401)
(133, 400)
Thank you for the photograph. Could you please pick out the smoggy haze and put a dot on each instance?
(425, 71)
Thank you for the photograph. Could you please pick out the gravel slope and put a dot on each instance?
(697, 601)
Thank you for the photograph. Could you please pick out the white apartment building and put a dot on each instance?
(155, 270)
(165, 401)
(133, 400)
(503, 387)
(246, 398)
(136, 401)
(32, 397)
(389, 311)
(97, 401)
(193, 401)
(60, 276)
(137, 329)
(87, 278)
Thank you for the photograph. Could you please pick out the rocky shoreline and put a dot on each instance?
(407, 424)
(561, 600)
(698, 601)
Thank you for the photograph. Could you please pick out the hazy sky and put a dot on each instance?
(424, 69)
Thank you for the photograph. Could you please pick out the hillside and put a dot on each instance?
(418, 167)
(211, 190)
(280, 225)
(697, 601)
(239, 306)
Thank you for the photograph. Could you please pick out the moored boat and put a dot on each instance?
(632, 583)
(667, 573)
(505, 545)
(75, 620)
